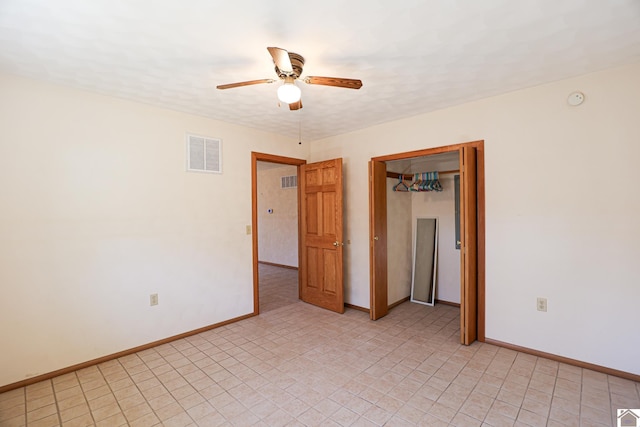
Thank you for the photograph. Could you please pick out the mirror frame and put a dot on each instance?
(431, 293)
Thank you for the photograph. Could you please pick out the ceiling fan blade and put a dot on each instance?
(281, 59)
(247, 83)
(334, 81)
(295, 105)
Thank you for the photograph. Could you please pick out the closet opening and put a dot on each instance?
(405, 187)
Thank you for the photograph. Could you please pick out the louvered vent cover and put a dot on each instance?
(289, 181)
(204, 154)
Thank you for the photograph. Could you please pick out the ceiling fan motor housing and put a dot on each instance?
(297, 63)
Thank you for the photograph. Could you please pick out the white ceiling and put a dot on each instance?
(413, 56)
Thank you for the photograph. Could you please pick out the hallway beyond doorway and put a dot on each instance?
(278, 287)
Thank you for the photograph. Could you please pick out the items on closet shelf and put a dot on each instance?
(425, 181)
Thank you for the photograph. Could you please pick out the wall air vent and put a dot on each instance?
(204, 154)
(289, 181)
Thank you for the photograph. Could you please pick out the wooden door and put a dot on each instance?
(468, 246)
(378, 243)
(321, 281)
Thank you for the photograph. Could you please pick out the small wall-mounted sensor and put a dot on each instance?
(270, 211)
(575, 99)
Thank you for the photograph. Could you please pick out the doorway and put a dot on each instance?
(320, 217)
(472, 255)
(274, 274)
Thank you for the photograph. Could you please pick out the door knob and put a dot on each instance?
(336, 243)
(376, 238)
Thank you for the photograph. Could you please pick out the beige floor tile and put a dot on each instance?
(564, 417)
(191, 400)
(344, 416)
(39, 393)
(11, 412)
(70, 392)
(18, 421)
(531, 418)
(442, 412)
(102, 401)
(147, 420)
(120, 383)
(74, 412)
(49, 421)
(42, 412)
(84, 420)
(216, 419)
(496, 419)
(429, 420)
(464, 420)
(131, 401)
(69, 382)
(106, 412)
(137, 411)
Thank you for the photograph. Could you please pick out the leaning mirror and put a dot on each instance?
(425, 261)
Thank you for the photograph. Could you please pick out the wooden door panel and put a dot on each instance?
(311, 177)
(329, 214)
(312, 269)
(468, 247)
(329, 176)
(311, 218)
(378, 239)
(330, 267)
(321, 235)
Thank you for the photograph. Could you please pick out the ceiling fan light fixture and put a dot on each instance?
(289, 93)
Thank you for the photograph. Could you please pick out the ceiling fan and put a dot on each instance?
(289, 68)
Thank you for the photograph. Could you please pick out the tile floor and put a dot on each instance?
(298, 365)
(278, 287)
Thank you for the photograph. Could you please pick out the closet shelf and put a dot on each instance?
(409, 176)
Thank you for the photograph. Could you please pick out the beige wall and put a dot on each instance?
(98, 213)
(561, 210)
(277, 231)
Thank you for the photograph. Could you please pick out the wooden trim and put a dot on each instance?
(255, 158)
(469, 246)
(290, 267)
(453, 304)
(119, 354)
(273, 158)
(254, 231)
(356, 307)
(568, 361)
(480, 198)
(427, 151)
(397, 303)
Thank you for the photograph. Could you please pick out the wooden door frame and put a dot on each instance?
(271, 158)
(479, 146)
